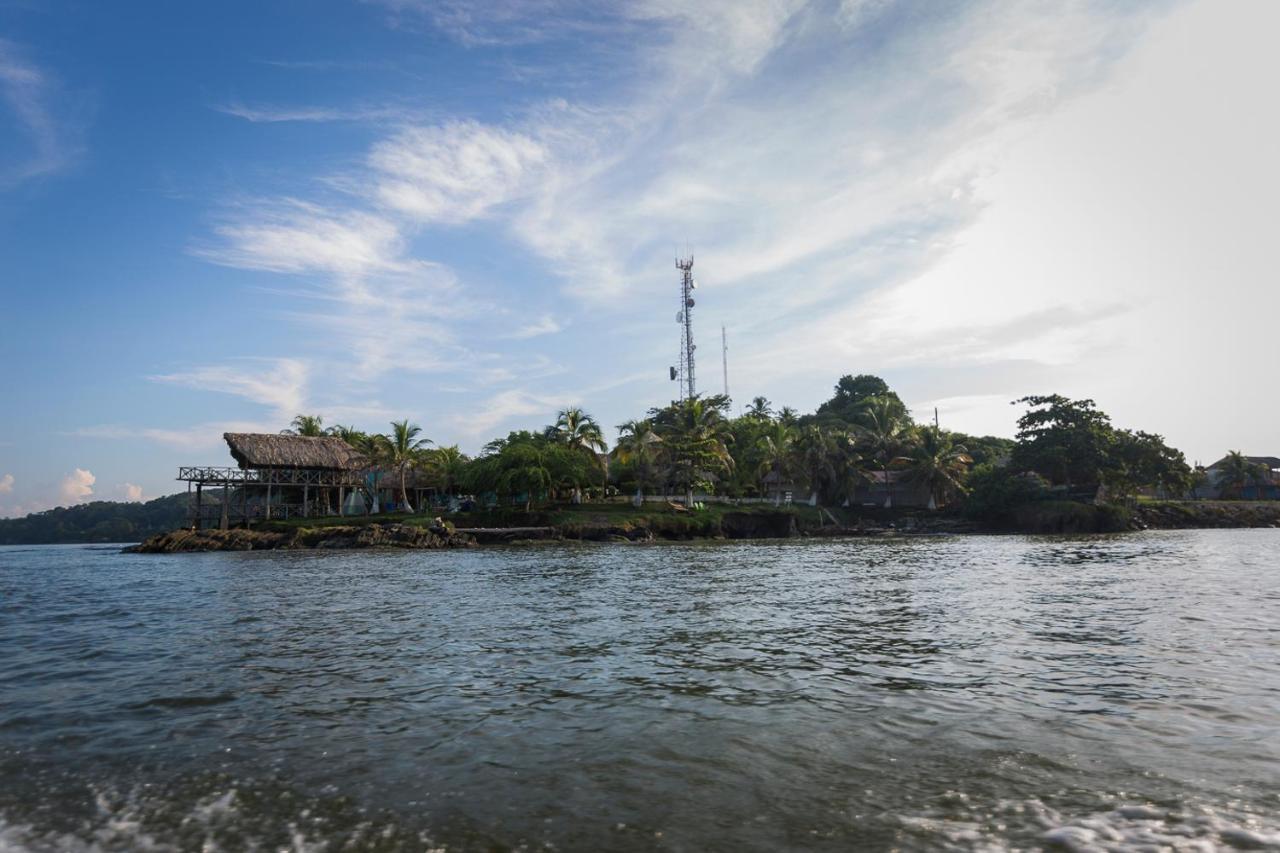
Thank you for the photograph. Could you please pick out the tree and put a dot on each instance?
(939, 465)
(403, 450)
(695, 435)
(851, 394)
(638, 445)
(884, 433)
(308, 425)
(759, 409)
(447, 466)
(776, 452)
(1069, 442)
(579, 431)
(817, 455)
(1235, 472)
(349, 434)
(1142, 459)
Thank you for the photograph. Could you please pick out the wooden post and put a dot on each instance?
(341, 499)
(268, 509)
(306, 491)
(223, 521)
(199, 506)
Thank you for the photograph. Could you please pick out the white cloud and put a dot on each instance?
(1020, 188)
(453, 172)
(481, 419)
(6, 484)
(131, 492)
(278, 383)
(545, 325)
(28, 92)
(270, 114)
(76, 487)
(294, 236)
(202, 436)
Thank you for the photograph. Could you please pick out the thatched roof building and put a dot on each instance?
(271, 450)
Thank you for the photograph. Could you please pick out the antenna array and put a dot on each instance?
(684, 372)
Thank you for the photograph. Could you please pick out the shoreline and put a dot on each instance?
(1045, 518)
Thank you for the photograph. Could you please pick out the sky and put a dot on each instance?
(216, 216)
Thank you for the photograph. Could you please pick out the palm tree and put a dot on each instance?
(816, 456)
(308, 425)
(776, 452)
(759, 409)
(939, 465)
(447, 465)
(884, 433)
(403, 450)
(636, 445)
(580, 432)
(349, 434)
(696, 437)
(850, 466)
(1235, 472)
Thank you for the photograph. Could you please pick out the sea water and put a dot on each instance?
(969, 693)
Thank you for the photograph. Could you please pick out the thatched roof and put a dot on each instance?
(270, 450)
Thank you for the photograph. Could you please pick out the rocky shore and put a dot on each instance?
(1043, 517)
(363, 536)
(1180, 515)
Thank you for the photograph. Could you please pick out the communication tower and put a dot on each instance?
(684, 372)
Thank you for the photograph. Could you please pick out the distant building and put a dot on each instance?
(896, 488)
(1266, 488)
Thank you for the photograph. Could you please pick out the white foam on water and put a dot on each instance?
(121, 824)
(1127, 828)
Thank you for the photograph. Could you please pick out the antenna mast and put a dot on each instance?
(724, 353)
(685, 318)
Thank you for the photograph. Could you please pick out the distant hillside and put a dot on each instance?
(100, 521)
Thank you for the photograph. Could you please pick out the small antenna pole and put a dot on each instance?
(724, 353)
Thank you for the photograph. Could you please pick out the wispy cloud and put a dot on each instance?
(6, 484)
(482, 418)
(197, 437)
(28, 92)
(274, 114)
(453, 172)
(279, 384)
(836, 167)
(544, 325)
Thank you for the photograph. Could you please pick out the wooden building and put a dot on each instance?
(280, 476)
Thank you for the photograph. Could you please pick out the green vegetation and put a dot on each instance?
(859, 445)
(99, 521)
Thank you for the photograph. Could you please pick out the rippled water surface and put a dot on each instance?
(970, 693)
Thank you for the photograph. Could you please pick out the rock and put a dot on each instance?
(366, 536)
(759, 525)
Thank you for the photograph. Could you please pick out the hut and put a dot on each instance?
(279, 476)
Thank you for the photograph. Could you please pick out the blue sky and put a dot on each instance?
(214, 216)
